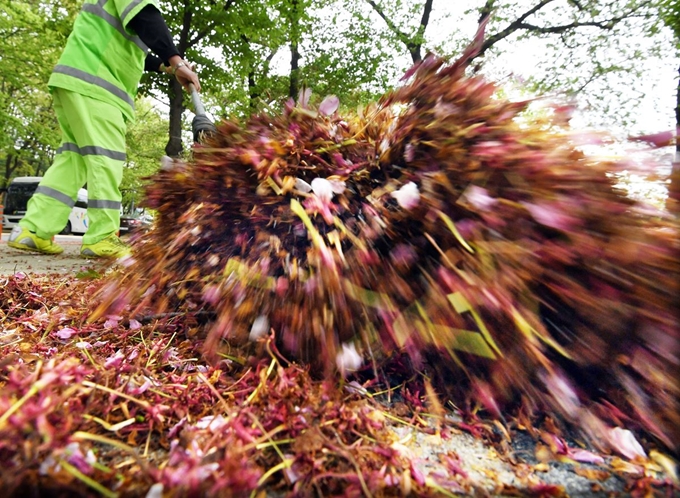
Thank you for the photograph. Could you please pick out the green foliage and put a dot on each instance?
(670, 13)
(145, 141)
(344, 56)
(597, 51)
(224, 40)
(31, 37)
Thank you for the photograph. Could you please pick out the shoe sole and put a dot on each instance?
(24, 247)
(101, 256)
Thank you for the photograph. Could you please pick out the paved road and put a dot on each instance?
(70, 262)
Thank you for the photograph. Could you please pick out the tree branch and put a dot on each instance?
(605, 25)
(186, 27)
(511, 28)
(424, 21)
(413, 45)
(403, 37)
(485, 11)
(199, 36)
(521, 24)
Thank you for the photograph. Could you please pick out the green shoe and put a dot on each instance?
(110, 247)
(22, 238)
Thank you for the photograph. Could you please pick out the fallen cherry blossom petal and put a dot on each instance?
(407, 196)
(348, 359)
(624, 442)
(323, 189)
(155, 491)
(66, 333)
(259, 329)
(114, 360)
(302, 185)
(479, 197)
(585, 456)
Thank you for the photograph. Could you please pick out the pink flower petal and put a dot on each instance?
(662, 139)
(135, 391)
(584, 456)
(479, 198)
(337, 186)
(302, 185)
(551, 216)
(212, 294)
(303, 98)
(323, 189)
(623, 441)
(155, 491)
(562, 392)
(66, 333)
(260, 328)
(329, 105)
(407, 196)
(114, 360)
(348, 359)
(411, 71)
(417, 474)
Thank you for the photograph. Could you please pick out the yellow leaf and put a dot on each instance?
(314, 235)
(461, 305)
(529, 332)
(451, 226)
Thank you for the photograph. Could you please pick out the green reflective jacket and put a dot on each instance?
(102, 58)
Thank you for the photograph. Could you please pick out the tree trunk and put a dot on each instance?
(8, 171)
(174, 147)
(294, 88)
(253, 93)
(673, 203)
(9, 167)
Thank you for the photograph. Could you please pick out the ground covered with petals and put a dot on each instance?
(129, 408)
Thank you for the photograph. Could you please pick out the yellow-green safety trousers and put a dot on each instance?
(92, 153)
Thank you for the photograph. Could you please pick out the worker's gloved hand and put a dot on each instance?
(184, 72)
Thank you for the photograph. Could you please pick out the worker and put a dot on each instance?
(93, 87)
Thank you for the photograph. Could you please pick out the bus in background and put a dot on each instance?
(20, 191)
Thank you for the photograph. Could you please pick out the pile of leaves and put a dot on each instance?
(441, 222)
(442, 236)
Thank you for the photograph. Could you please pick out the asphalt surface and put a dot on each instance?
(69, 262)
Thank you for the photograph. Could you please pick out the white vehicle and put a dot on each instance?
(20, 191)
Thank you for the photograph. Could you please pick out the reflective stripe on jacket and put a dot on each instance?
(102, 59)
